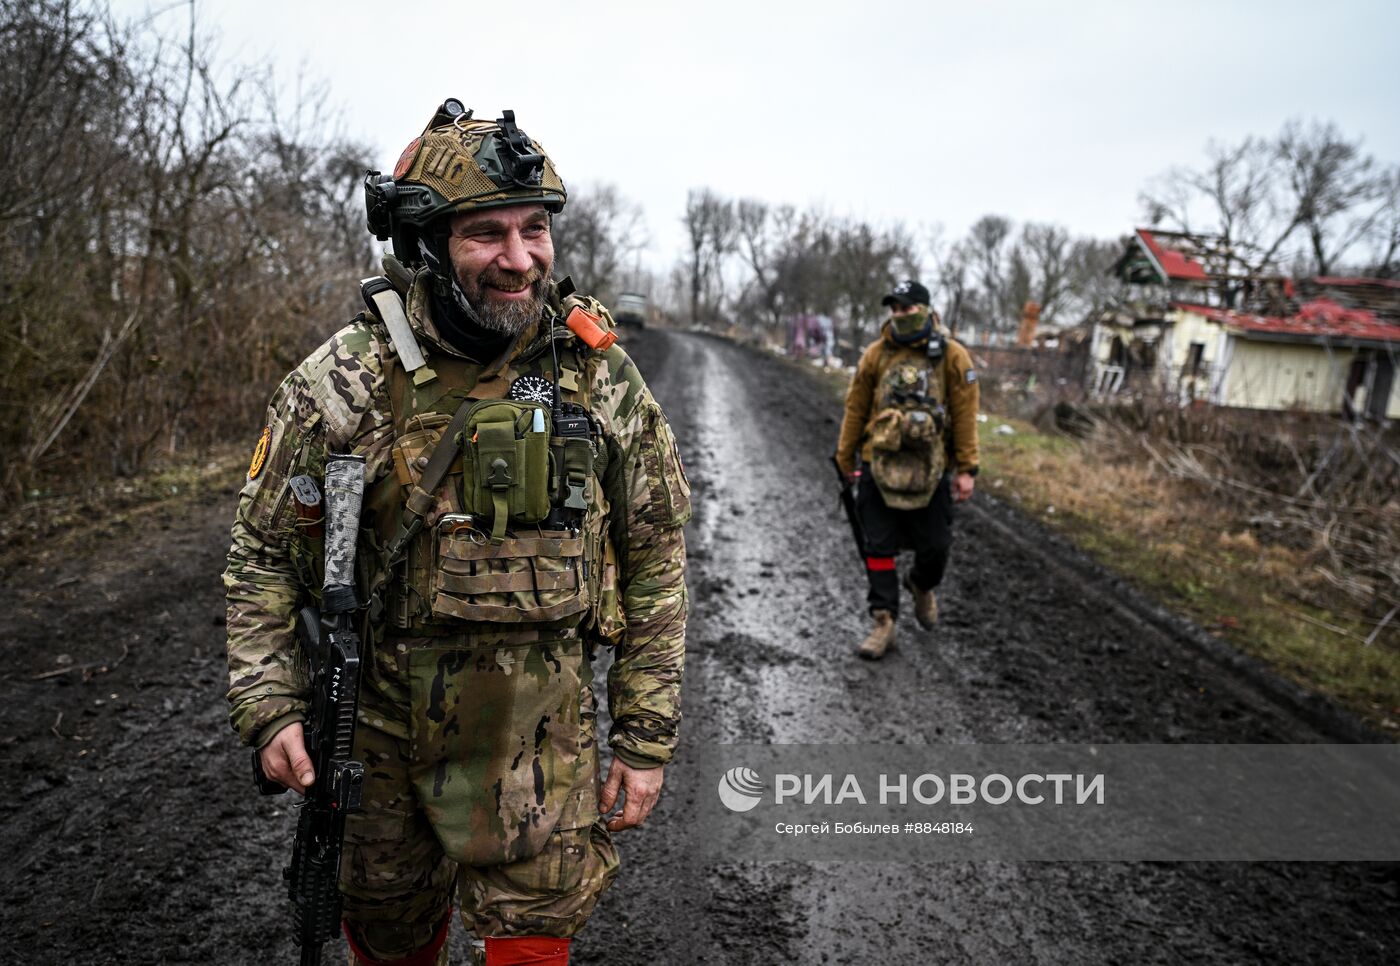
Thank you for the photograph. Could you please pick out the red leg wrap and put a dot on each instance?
(879, 564)
(527, 951)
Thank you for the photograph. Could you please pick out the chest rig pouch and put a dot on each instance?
(516, 550)
(906, 436)
(505, 466)
(497, 503)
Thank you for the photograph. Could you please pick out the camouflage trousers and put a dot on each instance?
(410, 848)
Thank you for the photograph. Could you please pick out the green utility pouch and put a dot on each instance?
(574, 458)
(535, 577)
(505, 463)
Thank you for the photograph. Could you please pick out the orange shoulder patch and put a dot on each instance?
(260, 453)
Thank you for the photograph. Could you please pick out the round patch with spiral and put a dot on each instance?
(534, 388)
(259, 460)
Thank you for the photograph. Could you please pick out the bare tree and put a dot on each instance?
(1385, 259)
(711, 226)
(867, 263)
(1044, 251)
(949, 279)
(1093, 286)
(756, 243)
(1236, 196)
(1337, 193)
(806, 251)
(169, 244)
(595, 235)
(1258, 195)
(989, 254)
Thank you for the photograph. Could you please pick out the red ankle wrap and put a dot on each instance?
(527, 951)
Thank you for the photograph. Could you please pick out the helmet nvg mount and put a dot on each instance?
(457, 164)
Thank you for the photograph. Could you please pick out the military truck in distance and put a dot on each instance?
(630, 309)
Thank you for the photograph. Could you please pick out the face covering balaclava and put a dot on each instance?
(911, 327)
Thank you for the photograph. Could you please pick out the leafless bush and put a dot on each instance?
(169, 244)
(1318, 484)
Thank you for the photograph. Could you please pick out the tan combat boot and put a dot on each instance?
(880, 638)
(925, 604)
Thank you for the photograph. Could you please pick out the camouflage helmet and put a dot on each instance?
(457, 164)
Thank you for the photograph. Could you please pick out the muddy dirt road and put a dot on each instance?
(131, 833)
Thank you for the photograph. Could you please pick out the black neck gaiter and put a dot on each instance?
(465, 334)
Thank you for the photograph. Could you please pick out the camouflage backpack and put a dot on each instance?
(906, 436)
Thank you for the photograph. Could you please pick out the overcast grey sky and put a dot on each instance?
(924, 112)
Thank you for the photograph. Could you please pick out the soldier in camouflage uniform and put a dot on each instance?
(477, 712)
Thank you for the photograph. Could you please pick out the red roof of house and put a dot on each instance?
(1175, 264)
(1320, 319)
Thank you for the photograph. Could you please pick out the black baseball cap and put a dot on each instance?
(907, 293)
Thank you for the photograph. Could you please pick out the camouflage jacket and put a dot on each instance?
(337, 401)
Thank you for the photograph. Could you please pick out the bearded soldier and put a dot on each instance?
(909, 445)
(523, 506)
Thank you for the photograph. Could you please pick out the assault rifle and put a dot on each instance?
(848, 503)
(330, 647)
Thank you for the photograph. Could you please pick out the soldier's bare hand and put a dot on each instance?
(640, 788)
(284, 759)
(962, 487)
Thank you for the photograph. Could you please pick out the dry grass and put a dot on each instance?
(1197, 552)
(69, 515)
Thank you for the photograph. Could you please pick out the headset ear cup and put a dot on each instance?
(380, 195)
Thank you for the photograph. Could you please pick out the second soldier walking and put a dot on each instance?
(909, 444)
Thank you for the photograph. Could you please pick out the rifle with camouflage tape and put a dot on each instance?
(330, 646)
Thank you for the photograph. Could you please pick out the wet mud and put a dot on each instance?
(131, 832)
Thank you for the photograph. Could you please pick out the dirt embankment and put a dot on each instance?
(134, 835)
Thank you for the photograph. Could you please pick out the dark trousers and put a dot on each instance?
(927, 531)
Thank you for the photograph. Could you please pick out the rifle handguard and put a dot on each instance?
(345, 491)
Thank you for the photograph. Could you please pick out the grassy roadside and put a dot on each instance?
(1178, 546)
(70, 520)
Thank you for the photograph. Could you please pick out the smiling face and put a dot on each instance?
(503, 258)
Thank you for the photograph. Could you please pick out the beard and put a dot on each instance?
(507, 317)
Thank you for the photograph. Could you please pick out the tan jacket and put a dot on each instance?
(962, 391)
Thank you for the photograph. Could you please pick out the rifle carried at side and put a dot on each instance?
(848, 503)
(330, 647)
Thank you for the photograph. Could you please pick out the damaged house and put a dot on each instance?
(1197, 324)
